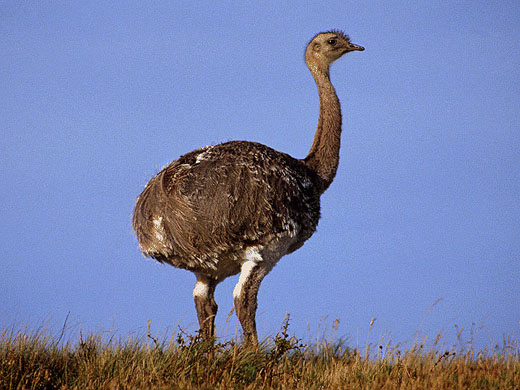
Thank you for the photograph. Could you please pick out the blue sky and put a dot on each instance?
(97, 97)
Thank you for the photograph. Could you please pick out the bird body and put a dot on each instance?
(206, 209)
(240, 206)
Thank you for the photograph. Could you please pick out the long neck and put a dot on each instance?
(323, 156)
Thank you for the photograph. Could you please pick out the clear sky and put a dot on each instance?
(97, 96)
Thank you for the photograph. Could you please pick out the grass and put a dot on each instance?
(39, 361)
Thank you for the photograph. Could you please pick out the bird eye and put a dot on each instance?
(331, 41)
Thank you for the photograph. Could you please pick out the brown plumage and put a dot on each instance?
(240, 206)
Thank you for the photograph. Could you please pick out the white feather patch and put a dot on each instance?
(158, 229)
(202, 156)
(246, 269)
(201, 289)
(252, 253)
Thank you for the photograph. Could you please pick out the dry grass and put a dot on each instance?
(37, 361)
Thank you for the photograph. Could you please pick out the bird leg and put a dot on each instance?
(245, 297)
(205, 305)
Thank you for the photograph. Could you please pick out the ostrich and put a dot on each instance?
(240, 206)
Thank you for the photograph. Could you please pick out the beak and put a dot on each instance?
(353, 47)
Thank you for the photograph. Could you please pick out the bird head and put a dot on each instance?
(327, 47)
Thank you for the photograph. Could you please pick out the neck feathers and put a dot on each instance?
(323, 156)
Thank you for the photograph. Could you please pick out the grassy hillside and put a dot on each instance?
(37, 361)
